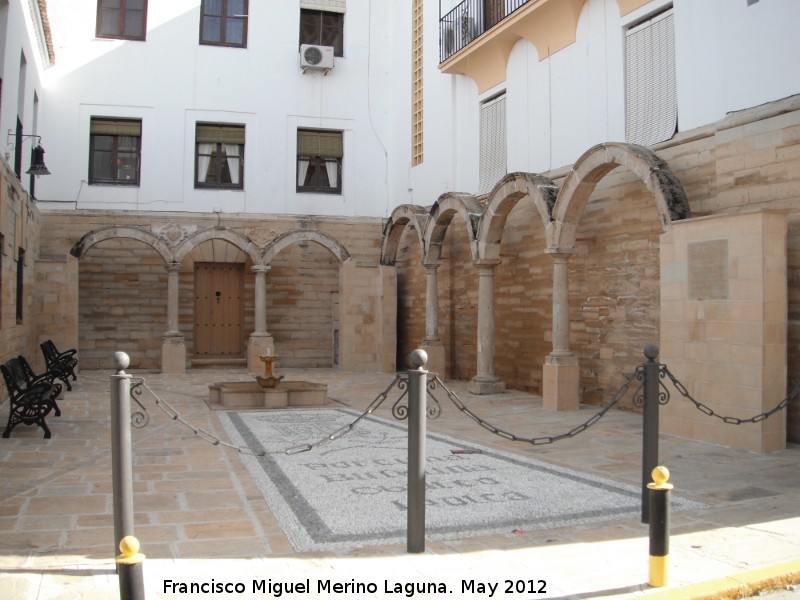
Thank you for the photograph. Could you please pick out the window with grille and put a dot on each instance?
(114, 151)
(219, 156)
(492, 165)
(322, 28)
(319, 161)
(223, 22)
(122, 19)
(651, 103)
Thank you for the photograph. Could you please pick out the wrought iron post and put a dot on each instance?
(417, 410)
(130, 577)
(650, 426)
(121, 454)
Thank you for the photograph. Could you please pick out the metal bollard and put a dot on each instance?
(121, 454)
(650, 423)
(659, 527)
(417, 403)
(129, 569)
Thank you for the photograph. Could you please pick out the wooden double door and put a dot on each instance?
(218, 310)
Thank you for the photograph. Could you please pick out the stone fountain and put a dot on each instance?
(267, 391)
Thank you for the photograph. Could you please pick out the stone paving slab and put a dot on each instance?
(200, 516)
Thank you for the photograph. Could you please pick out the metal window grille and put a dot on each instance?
(416, 86)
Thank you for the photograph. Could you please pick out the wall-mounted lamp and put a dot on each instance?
(37, 154)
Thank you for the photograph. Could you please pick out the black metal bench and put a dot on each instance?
(29, 402)
(60, 364)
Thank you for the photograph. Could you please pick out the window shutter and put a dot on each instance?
(492, 144)
(651, 98)
(326, 144)
(116, 127)
(327, 5)
(224, 134)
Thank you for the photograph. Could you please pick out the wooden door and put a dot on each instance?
(218, 309)
(494, 11)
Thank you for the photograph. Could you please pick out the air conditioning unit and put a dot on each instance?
(316, 57)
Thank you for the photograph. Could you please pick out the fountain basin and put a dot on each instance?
(250, 394)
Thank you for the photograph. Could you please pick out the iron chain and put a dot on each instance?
(730, 420)
(538, 441)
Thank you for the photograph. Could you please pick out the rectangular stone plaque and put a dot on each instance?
(708, 270)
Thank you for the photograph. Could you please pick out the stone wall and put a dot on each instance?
(121, 288)
(748, 162)
(20, 227)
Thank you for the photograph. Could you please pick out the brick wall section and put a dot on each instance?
(123, 283)
(20, 226)
(748, 162)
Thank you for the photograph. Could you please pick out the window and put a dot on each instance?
(122, 19)
(651, 105)
(219, 156)
(223, 22)
(114, 151)
(20, 280)
(322, 28)
(492, 164)
(319, 161)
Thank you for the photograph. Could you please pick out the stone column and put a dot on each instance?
(561, 374)
(432, 344)
(486, 382)
(173, 345)
(260, 342)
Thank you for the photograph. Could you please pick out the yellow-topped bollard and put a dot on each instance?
(659, 526)
(129, 546)
(129, 569)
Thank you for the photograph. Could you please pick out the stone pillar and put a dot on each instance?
(260, 342)
(173, 345)
(432, 344)
(486, 382)
(561, 374)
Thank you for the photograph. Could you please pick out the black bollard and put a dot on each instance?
(659, 527)
(130, 569)
(650, 423)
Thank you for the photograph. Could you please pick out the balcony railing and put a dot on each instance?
(469, 20)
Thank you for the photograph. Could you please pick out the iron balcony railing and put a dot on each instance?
(469, 20)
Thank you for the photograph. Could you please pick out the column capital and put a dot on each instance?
(261, 268)
(487, 263)
(556, 251)
(172, 267)
(431, 264)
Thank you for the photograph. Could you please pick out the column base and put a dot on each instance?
(481, 385)
(258, 344)
(173, 354)
(435, 351)
(561, 383)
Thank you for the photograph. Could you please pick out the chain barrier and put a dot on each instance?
(538, 441)
(141, 418)
(703, 408)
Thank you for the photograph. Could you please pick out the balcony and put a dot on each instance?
(476, 37)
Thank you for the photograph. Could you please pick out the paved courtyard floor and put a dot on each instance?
(202, 520)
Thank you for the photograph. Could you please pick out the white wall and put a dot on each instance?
(20, 38)
(729, 56)
(170, 81)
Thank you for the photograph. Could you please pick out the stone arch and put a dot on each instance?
(291, 237)
(502, 199)
(596, 163)
(115, 232)
(218, 233)
(441, 213)
(400, 218)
